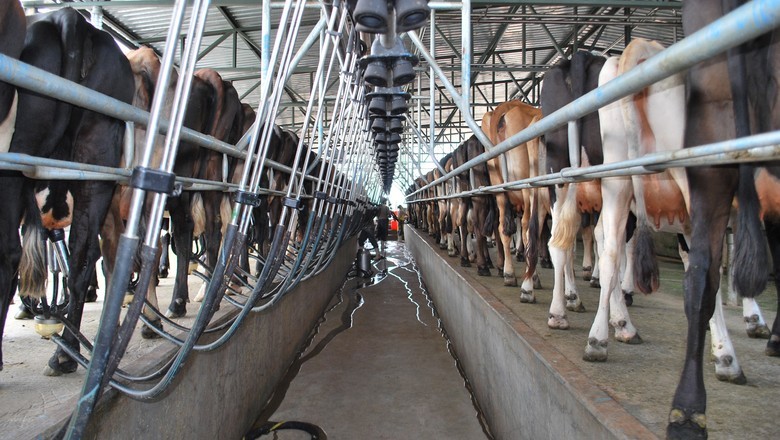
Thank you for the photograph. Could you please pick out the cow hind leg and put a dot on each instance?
(85, 251)
(727, 368)
(773, 235)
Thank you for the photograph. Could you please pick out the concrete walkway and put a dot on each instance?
(379, 367)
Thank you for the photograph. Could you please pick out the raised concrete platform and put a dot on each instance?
(527, 388)
(533, 383)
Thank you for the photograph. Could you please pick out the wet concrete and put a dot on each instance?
(379, 366)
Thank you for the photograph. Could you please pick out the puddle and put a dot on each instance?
(397, 264)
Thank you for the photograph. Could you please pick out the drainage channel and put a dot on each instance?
(389, 376)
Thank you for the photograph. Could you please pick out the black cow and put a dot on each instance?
(12, 30)
(729, 96)
(65, 44)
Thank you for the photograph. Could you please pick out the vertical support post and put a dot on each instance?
(431, 88)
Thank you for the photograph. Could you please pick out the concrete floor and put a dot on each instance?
(379, 366)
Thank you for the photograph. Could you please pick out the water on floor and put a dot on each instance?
(378, 366)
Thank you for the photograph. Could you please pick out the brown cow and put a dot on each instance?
(522, 162)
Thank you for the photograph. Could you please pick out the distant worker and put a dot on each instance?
(367, 233)
(401, 217)
(383, 215)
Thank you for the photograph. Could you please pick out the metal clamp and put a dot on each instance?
(248, 198)
(158, 181)
(320, 195)
(293, 203)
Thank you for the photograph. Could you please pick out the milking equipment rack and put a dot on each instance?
(341, 191)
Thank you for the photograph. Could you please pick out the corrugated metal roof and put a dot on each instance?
(531, 38)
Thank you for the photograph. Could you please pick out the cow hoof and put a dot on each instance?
(756, 330)
(595, 351)
(629, 298)
(684, 426)
(24, 313)
(558, 322)
(575, 306)
(773, 346)
(510, 280)
(177, 309)
(464, 262)
(483, 271)
(442, 246)
(594, 282)
(452, 253)
(520, 257)
(546, 263)
(162, 272)
(527, 297)
(586, 273)
(725, 370)
(91, 294)
(537, 282)
(148, 333)
(59, 365)
(627, 338)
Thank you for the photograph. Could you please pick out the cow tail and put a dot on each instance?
(750, 257)
(225, 212)
(489, 227)
(645, 261)
(198, 215)
(32, 266)
(510, 227)
(567, 221)
(448, 222)
(534, 231)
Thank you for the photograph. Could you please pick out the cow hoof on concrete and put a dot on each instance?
(162, 272)
(773, 346)
(546, 263)
(176, 310)
(91, 294)
(629, 298)
(464, 262)
(452, 253)
(756, 330)
(575, 306)
(586, 273)
(595, 351)
(725, 370)
(683, 426)
(148, 333)
(537, 282)
(527, 297)
(510, 280)
(630, 339)
(558, 322)
(519, 257)
(24, 313)
(483, 271)
(59, 364)
(594, 282)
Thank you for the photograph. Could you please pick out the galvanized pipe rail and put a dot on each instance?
(743, 24)
(28, 77)
(760, 147)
